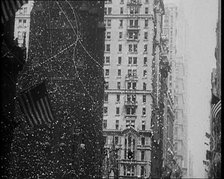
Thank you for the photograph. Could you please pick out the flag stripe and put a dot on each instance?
(47, 119)
(41, 111)
(31, 110)
(49, 109)
(38, 119)
(25, 111)
(216, 108)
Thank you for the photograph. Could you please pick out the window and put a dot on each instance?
(134, 10)
(121, 23)
(142, 155)
(146, 1)
(117, 124)
(116, 140)
(106, 72)
(143, 98)
(107, 60)
(130, 123)
(143, 111)
(122, 1)
(105, 110)
(133, 23)
(120, 48)
(106, 85)
(131, 85)
(143, 141)
(146, 23)
(25, 10)
(145, 48)
(119, 60)
(130, 111)
(24, 21)
(133, 48)
(146, 10)
(135, 60)
(119, 72)
(105, 11)
(145, 60)
(117, 110)
(134, 85)
(20, 21)
(132, 60)
(104, 124)
(118, 85)
(106, 97)
(142, 170)
(107, 47)
(118, 98)
(109, 10)
(120, 35)
(144, 86)
(109, 23)
(108, 35)
(129, 61)
(132, 35)
(146, 35)
(134, 72)
(121, 10)
(143, 125)
(144, 73)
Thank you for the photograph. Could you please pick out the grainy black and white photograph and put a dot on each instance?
(110, 89)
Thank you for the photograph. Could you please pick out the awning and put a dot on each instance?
(9, 8)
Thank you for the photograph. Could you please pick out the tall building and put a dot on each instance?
(214, 154)
(22, 24)
(129, 38)
(175, 29)
(66, 49)
(12, 61)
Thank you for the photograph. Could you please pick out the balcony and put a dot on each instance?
(130, 103)
(134, 3)
(131, 77)
(133, 27)
(131, 116)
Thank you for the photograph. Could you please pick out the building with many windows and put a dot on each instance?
(22, 24)
(175, 30)
(128, 56)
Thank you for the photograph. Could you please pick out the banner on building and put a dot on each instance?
(216, 107)
(35, 105)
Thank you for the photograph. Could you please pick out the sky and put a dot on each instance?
(201, 16)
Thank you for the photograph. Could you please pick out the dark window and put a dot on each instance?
(104, 124)
(117, 124)
(144, 98)
(143, 111)
(118, 97)
(142, 155)
(106, 97)
(143, 125)
(145, 60)
(143, 140)
(117, 110)
(121, 10)
(106, 85)
(119, 60)
(118, 85)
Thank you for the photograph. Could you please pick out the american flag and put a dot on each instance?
(35, 105)
(215, 107)
(9, 8)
